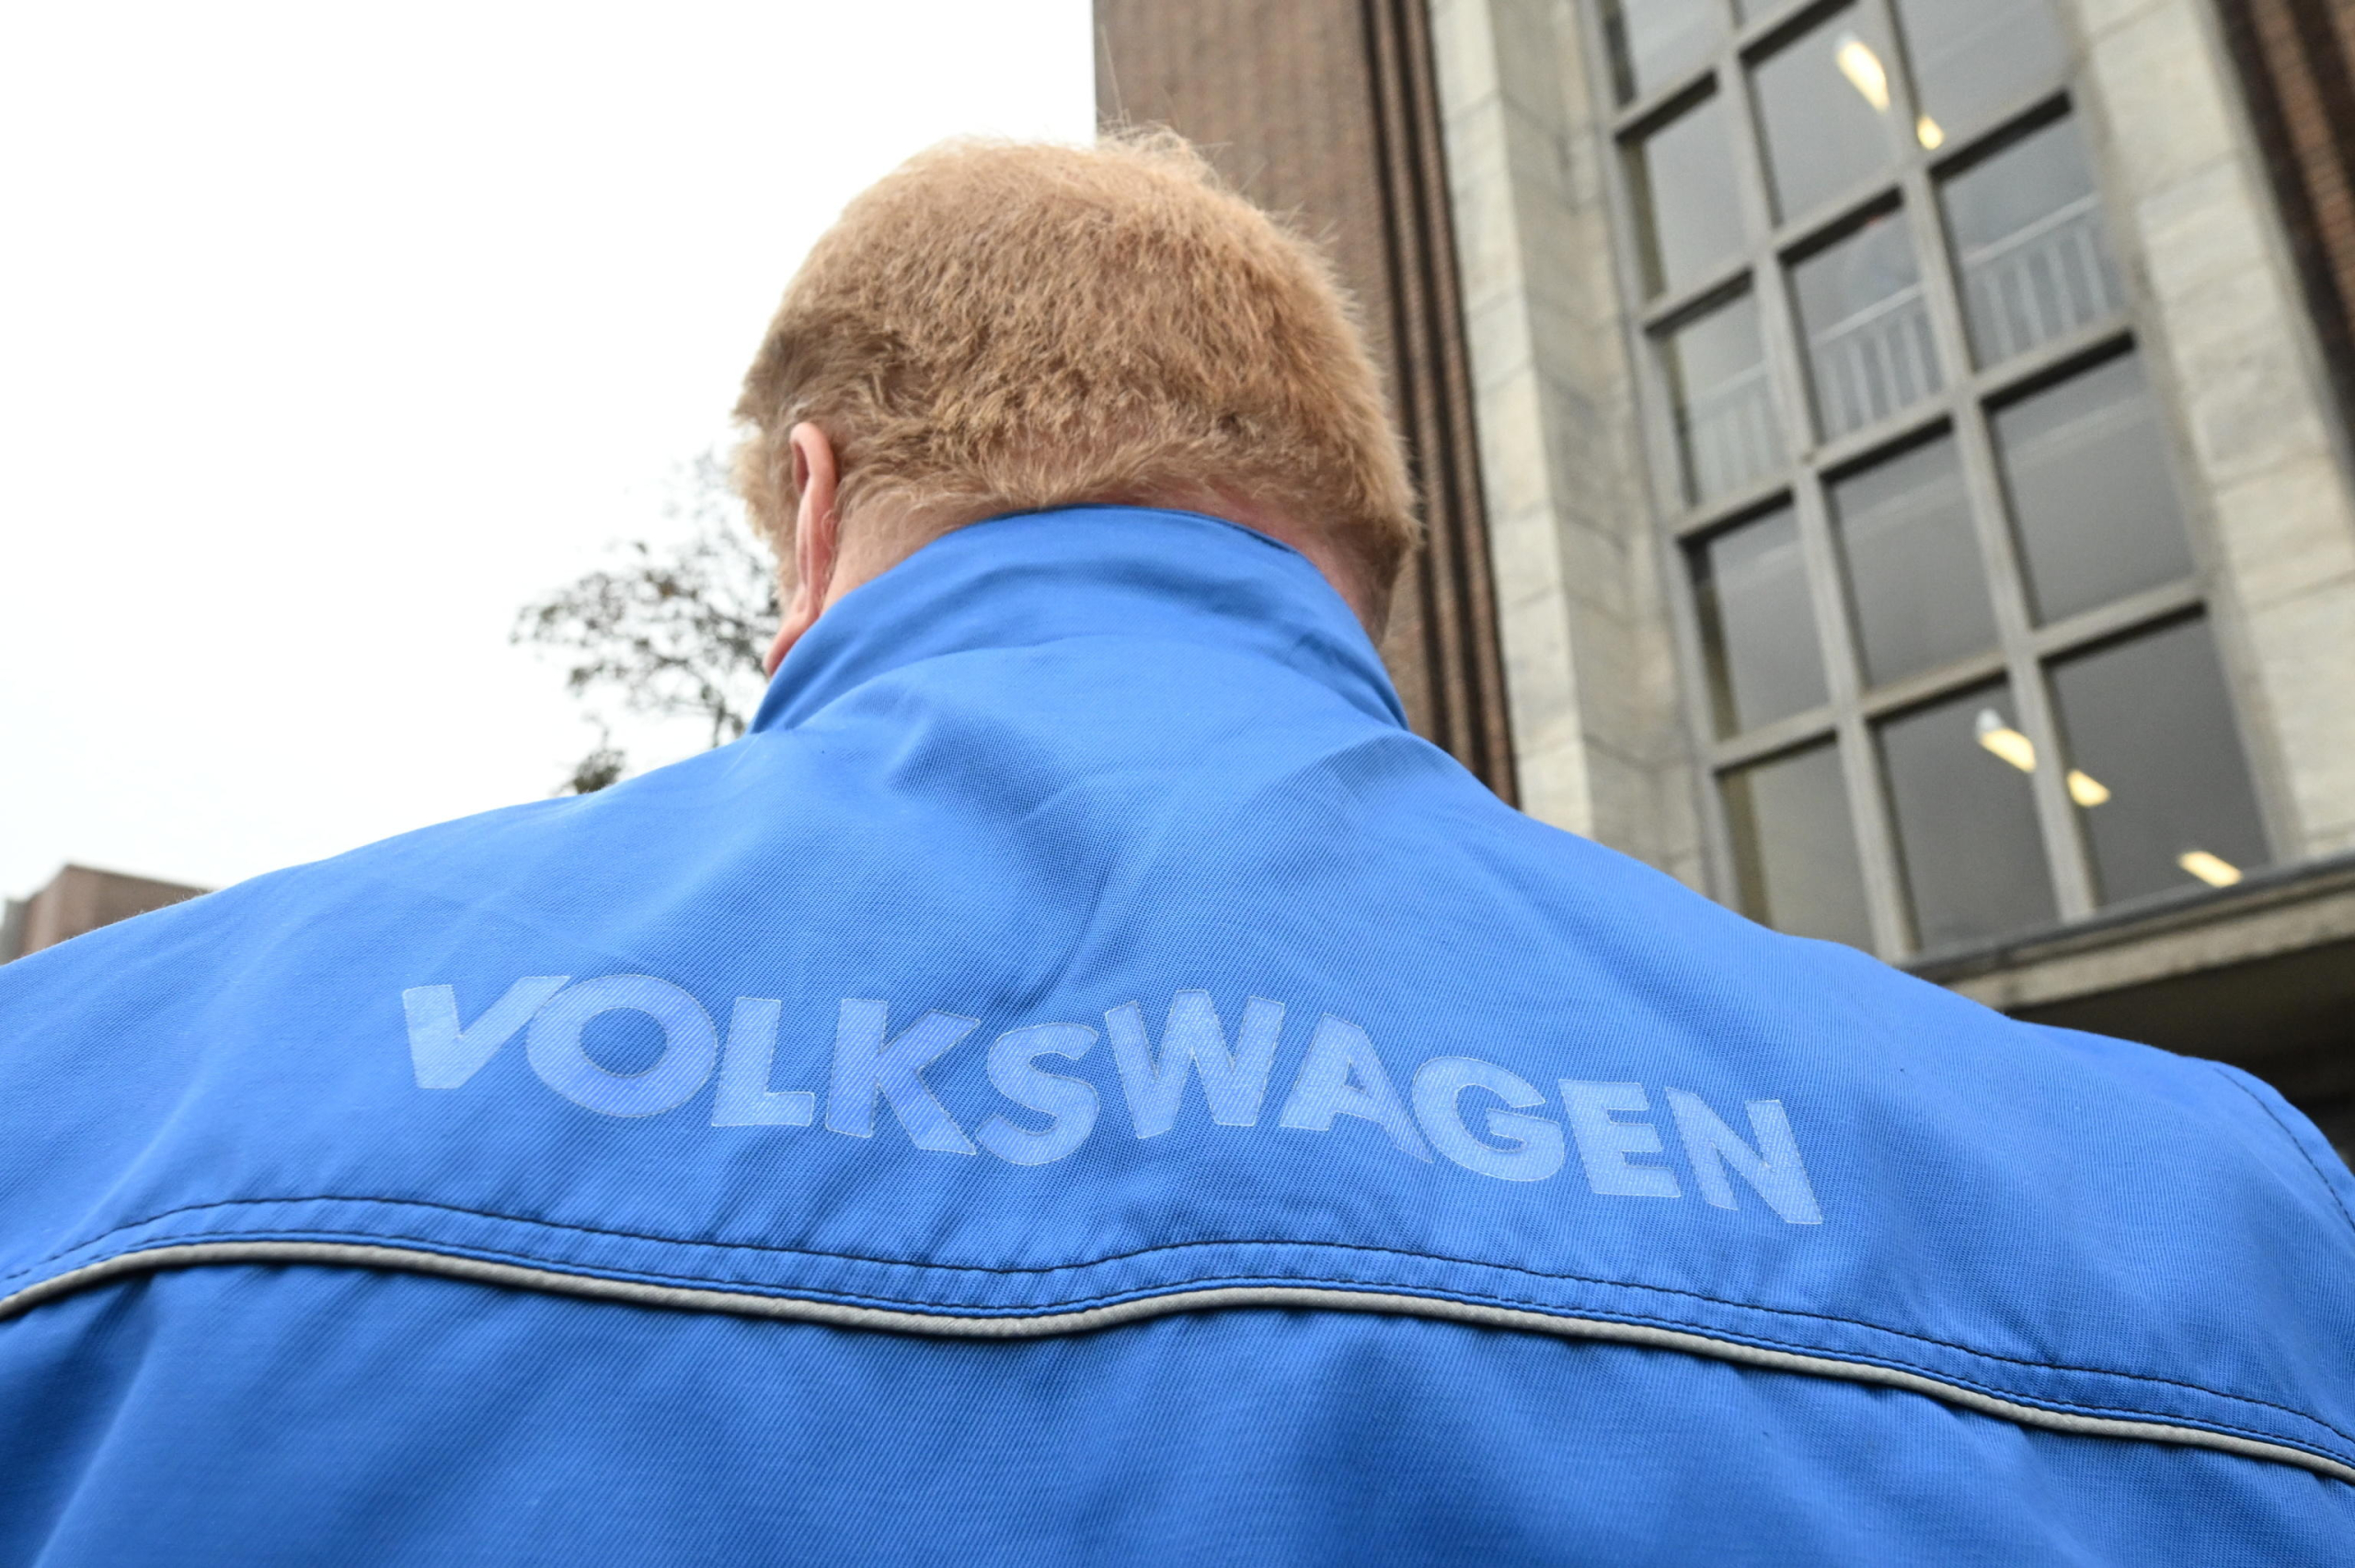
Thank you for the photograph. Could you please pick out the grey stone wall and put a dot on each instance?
(1589, 671)
(2261, 444)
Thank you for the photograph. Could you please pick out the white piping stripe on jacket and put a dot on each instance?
(1041, 1325)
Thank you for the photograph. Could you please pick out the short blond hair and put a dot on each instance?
(997, 327)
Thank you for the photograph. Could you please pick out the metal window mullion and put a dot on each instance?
(1683, 304)
(1910, 691)
(1655, 404)
(1787, 373)
(2010, 370)
(1720, 868)
(1795, 732)
(1720, 871)
(1665, 448)
(1859, 761)
(1654, 398)
(2065, 850)
(2255, 724)
(1647, 108)
(2135, 613)
(1779, 336)
(1777, 332)
(1664, 454)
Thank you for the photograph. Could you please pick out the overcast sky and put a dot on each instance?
(330, 335)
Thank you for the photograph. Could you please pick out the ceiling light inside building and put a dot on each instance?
(2005, 742)
(1864, 70)
(1929, 133)
(2086, 789)
(2214, 870)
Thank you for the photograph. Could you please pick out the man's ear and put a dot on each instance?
(817, 537)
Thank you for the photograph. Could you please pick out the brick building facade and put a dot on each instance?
(2296, 60)
(1332, 115)
(78, 899)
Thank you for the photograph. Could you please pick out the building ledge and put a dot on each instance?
(2277, 910)
(2260, 974)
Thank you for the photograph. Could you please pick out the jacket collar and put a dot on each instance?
(1043, 577)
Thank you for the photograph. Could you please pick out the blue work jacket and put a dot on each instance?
(1081, 1082)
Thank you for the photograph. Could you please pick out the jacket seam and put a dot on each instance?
(1165, 1248)
(2321, 1177)
(756, 1290)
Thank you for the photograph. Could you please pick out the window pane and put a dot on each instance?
(2028, 233)
(1655, 41)
(1973, 57)
(1867, 329)
(1685, 189)
(1966, 820)
(1913, 571)
(1757, 628)
(2156, 771)
(1825, 106)
(1795, 848)
(2086, 466)
(1725, 417)
(1750, 10)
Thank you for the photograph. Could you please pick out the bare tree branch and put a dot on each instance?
(674, 632)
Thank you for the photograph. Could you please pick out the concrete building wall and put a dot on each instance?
(1588, 668)
(2262, 438)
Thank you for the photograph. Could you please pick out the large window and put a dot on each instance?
(1949, 653)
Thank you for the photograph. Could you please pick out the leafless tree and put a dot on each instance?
(672, 632)
(602, 766)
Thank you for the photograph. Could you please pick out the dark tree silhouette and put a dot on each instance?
(602, 767)
(673, 631)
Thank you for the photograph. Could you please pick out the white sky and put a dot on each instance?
(330, 335)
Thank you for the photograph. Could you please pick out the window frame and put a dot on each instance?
(1963, 407)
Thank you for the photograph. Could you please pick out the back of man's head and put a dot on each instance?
(998, 327)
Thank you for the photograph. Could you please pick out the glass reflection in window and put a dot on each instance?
(1654, 41)
(1825, 109)
(1972, 58)
(1757, 627)
(2086, 466)
(2027, 235)
(1867, 329)
(1683, 186)
(1914, 579)
(2155, 768)
(1727, 433)
(1795, 848)
(1959, 785)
